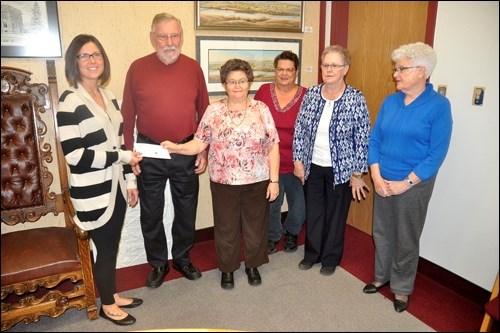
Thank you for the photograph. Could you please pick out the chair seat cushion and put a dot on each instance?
(45, 252)
(492, 308)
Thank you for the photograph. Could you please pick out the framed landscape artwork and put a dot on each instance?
(213, 52)
(30, 29)
(285, 16)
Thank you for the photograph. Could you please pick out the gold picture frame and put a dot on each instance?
(286, 16)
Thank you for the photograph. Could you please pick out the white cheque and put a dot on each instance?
(153, 151)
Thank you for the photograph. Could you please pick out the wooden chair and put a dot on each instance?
(45, 269)
(491, 310)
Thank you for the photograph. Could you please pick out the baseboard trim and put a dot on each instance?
(454, 282)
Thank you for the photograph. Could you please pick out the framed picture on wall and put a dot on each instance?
(285, 16)
(30, 29)
(213, 52)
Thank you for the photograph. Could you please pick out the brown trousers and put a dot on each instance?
(240, 209)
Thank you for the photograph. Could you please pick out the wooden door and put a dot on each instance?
(375, 29)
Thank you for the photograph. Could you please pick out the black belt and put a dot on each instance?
(146, 139)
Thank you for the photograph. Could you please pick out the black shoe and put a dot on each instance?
(157, 275)
(290, 243)
(227, 280)
(189, 271)
(370, 288)
(327, 270)
(271, 246)
(305, 265)
(128, 320)
(135, 303)
(253, 276)
(401, 306)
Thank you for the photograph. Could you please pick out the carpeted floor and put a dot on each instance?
(288, 300)
(435, 304)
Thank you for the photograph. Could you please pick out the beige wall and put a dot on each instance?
(123, 29)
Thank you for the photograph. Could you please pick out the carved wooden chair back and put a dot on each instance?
(45, 269)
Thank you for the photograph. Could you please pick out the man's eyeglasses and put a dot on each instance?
(331, 66)
(402, 69)
(165, 37)
(233, 83)
(287, 70)
(86, 56)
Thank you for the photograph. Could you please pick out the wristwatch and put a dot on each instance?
(409, 181)
(358, 175)
(274, 181)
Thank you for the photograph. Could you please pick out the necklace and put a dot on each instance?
(237, 114)
(233, 114)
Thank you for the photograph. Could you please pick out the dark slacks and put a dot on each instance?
(327, 207)
(240, 209)
(106, 240)
(184, 186)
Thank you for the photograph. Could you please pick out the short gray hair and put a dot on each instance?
(419, 54)
(162, 17)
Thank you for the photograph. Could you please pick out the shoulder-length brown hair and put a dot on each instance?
(71, 69)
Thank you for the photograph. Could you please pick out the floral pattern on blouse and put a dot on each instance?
(239, 148)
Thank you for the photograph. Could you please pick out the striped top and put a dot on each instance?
(92, 143)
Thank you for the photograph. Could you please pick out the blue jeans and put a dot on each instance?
(292, 187)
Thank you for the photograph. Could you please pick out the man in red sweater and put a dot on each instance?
(165, 95)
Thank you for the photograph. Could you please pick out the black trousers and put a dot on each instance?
(327, 207)
(184, 187)
(106, 240)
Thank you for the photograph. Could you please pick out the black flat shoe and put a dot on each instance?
(401, 306)
(128, 320)
(135, 303)
(254, 278)
(370, 288)
(227, 280)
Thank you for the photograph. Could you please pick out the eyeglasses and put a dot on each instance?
(164, 38)
(86, 56)
(331, 66)
(287, 70)
(401, 69)
(233, 83)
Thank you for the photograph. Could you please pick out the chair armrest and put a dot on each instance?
(81, 234)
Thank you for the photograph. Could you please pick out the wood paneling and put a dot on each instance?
(375, 29)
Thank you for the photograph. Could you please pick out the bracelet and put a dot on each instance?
(273, 181)
(358, 175)
(409, 181)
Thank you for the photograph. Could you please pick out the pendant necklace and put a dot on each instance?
(237, 114)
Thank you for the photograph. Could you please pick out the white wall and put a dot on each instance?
(461, 231)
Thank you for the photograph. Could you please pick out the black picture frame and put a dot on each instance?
(22, 41)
